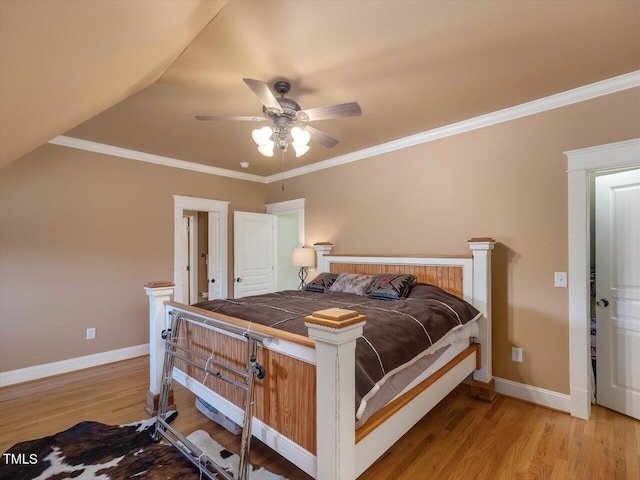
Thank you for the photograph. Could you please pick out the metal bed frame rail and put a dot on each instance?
(215, 369)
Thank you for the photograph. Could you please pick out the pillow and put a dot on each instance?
(351, 283)
(391, 286)
(321, 283)
(423, 291)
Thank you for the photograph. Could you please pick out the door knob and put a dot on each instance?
(213, 280)
(239, 280)
(603, 302)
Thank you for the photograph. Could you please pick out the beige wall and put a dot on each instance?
(88, 230)
(80, 234)
(507, 181)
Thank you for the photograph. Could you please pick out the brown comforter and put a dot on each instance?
(396, 332)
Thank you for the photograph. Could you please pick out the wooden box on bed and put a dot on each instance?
(291, 399)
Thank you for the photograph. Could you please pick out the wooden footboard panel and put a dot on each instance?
(284, 399)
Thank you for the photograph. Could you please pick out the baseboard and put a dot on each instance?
(22, 375)
(580, 403)
(540, 396)
(529, 393)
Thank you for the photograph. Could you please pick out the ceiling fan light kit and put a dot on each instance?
(266, 149)
(300, 150)
(266, 138)
(300, 137)
(288, 119)
(262, 135)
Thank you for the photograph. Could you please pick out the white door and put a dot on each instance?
(618, 291)
(214, 269)
(253, 252)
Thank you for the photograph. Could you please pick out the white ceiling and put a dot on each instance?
(412, 65)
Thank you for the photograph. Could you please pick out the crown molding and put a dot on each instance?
(580, 94)
(151, 158)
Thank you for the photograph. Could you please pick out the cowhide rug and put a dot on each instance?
(92, 450)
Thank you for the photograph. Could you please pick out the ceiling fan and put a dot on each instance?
(290, 122)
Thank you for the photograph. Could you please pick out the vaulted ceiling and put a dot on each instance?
(118, 73)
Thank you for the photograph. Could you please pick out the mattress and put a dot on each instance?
(397, 336)
(408, 378)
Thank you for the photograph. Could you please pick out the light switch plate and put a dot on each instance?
(561, 279)
(516, 354)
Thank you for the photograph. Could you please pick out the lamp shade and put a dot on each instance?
(267, 149)
(262, 135)
(303, 257)
(300, 150)
(300, 137)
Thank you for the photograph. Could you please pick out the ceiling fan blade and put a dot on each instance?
(349, 109)
(236, 118)
(322, 138)
(262, 91)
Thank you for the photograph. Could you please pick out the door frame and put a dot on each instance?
(290, 206)
(182, 203)
(581, 164)
(192, 232)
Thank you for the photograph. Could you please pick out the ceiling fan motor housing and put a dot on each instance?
(289, 109)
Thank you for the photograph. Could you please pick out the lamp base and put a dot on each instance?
(302, 275)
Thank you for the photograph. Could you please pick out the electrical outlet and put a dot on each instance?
(516, 354)
(91, 333)
(561, 279)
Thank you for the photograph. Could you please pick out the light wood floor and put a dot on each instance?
(462, 438)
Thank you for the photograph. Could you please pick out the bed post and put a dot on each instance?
(482, 384)
(322, 249)
(158, 292)
(335, 332)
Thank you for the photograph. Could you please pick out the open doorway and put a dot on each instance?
(581, 164)
(289, 234)
(189, 262)
(195, 255)
(287, 240)
(204, 250)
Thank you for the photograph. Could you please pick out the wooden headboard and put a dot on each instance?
(452, 273)
(447, 277)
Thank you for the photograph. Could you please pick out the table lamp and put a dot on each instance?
(303, 258)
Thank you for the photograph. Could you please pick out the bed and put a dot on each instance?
(310, 408)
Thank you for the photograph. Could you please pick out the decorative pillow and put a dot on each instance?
(351, 283)
(321, 283)
(391, 286)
